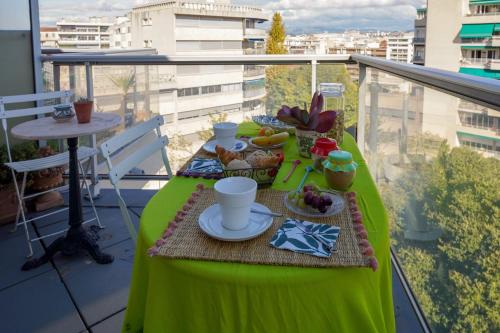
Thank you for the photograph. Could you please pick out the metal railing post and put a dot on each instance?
(56, 69)
(94, 177)
(313, 76)
(373, 130)
(361, 109)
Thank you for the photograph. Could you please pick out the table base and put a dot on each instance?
(77, 238)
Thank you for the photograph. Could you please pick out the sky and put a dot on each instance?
(300, 16)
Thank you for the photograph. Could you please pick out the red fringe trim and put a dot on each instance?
(363, 243)
(179, 216)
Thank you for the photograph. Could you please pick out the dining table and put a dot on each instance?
(181, 295)
(76, 237)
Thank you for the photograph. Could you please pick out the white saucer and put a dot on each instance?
(239, 145)
(250, 141)
(210, 221)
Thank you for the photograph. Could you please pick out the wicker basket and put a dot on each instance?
(263, 176)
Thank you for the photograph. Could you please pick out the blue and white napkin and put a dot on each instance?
(204, 166)
(316, 239)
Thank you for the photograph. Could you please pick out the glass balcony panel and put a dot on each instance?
(435, 159)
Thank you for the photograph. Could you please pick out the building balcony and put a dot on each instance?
(418, 60)
(254, 51)
(252, 33)
(255, 93)
(493, 64)
(419, 23)
(254, 72)
(419, 40)
(404, 113)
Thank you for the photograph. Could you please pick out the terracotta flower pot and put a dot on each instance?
(83, 111)
(305, 141)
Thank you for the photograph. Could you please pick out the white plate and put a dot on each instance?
(250, 141)
(239, 145)
(338, 204)
(210, 221)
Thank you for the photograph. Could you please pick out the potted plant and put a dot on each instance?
(46, 179)
(83, 110)
(309, 125)
(8, 199)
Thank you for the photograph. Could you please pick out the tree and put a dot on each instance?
(456, 277)
(276, 36)
(291, 85)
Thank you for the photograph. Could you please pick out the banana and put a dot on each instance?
(275, 139)
(262, 141)
(278, 138)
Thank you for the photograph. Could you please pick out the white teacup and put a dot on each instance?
(235, 196)
(225, 134)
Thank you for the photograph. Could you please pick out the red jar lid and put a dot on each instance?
(323, 146)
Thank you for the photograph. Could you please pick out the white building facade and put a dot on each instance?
(190, 94)
(463, 36)
(400, 47)
(92, 34)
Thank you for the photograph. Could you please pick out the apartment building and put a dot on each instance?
(305, 44)
(189, 94)
(121, 32)
(464, 36)
(419, 39)
(92, 34)
(49, 37)
(400, 47)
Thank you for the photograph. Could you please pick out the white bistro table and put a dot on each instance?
(45, 129)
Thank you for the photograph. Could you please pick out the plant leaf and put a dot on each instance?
(313, 122)
(316, 104)
(304, 117)
(326, 121)
(286, 115)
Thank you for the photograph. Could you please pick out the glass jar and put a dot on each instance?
(339, 170)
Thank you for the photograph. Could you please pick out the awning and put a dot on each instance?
(477, 30)
(477, 47)
(478, 136)
(484, 2)
(481, 72)
(497, 28)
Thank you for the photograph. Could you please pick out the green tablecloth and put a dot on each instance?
(200, 296)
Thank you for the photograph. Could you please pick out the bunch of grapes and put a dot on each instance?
(310, 196)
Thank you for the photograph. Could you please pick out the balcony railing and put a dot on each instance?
(419, 40)
(404, 113)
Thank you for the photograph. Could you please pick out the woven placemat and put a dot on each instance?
(183, 239)
(201, 153)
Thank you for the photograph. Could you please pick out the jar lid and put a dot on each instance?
(340, 160)
(323, 146)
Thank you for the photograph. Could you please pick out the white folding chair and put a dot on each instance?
(24, 167)
(116, 172)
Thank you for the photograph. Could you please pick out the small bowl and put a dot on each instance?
(63, 113)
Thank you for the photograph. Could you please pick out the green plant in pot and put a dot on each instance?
(83, 109)
(8, 199)
(309, 125)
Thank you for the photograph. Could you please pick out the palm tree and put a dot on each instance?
(124, 82)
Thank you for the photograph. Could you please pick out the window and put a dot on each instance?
(146, 19)
(188, 92)
(211, 89)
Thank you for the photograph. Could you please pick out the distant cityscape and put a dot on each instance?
(460, 36)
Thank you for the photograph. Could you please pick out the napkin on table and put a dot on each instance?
(315, 239)
(204, 165)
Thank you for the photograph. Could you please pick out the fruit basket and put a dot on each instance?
(263, 176)
(274, 123)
